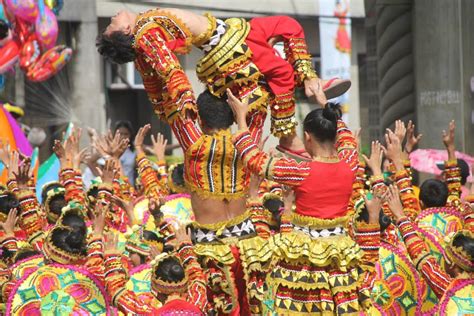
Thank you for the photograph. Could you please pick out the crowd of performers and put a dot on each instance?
(272, 235)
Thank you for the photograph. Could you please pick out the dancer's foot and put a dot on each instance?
(293, 147)
(335, 87)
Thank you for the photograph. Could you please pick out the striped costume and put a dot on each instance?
(318, 269)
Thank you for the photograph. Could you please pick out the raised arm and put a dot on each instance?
(418, 251)
(346, 145)
(168, 87)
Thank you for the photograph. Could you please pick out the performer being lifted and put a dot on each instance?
(237, 54)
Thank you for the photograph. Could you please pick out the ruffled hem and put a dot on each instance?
(297, 247)
(220, 253)
(256, 253)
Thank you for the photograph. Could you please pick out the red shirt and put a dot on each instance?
(326, 191)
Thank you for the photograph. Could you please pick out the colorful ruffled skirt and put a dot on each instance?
(237, 261)
(318, 270)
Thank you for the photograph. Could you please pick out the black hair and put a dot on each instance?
(7, 202)
(462, 164)
(214, 112)
(322, 123)
(170, 270)
(6, 254)
(75, 221)
(24, 254)
(177, 175)
(466, 243)
(384, 220)
(4, 28)
(57, 203)
(151, 236)
(72, 241)
(126, 124)
(273, 205)
(93, 192)
(116, 47)
(434, 193)
(48, 187)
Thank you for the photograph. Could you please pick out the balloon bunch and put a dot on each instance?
(28, 34)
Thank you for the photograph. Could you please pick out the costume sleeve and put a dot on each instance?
(10, 243)
(116, 217)
(149, 178)
(282, 170)
(358, 186)
(346, 145)
(32, 219)
(367, 237)
(6, 285)
(452, 174)
(71, 179)
(434, 275)
(197, 294)
(260, 217)
(162, 171)
(168, 87)
(125, 300)
(95, 257)
(292, 33)
(468, 213)
(411, 205)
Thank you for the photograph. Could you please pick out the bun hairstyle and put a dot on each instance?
(170, 270)
(322, 123)
(71, 241)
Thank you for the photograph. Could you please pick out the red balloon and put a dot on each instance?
(8, 56)
(30, 53)
(50, 63)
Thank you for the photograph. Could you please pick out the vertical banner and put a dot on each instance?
(335, 43)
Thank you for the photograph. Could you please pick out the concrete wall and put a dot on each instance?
(444, 54)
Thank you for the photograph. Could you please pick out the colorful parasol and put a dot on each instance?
(49, 170)
(178, 209)
(11, 133)
(426, 160)
(58, 290)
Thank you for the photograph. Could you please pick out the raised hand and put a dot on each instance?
(392, 198)
(13, 164)
(373, 203)
(412, 139)
(9, 225)
(127, 206)
(240, 109)
(99, 218)
(109, 172)
(375, 160)
(182, 235)
(313, 88)
(140, 138)
(400, 130)
(448, 140)
(159, 146)
(23, 174)
(393, 150)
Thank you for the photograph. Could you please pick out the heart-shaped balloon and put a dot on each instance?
(8, 56)
(24, 9)
(46, 28)
(50, 63)
(30, 53)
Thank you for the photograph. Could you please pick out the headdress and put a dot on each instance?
(166, 287)
(138, 244)
(456, 254)
(53, 193)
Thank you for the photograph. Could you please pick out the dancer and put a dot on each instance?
(318, 267)
(237, 55)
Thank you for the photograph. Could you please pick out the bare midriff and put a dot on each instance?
(210, 210)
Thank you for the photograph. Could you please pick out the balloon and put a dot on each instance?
(8, 56)
(54, 5)
(24, 9)
(22, 30)
(46, 28)
(30, 53)
(50, 63)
